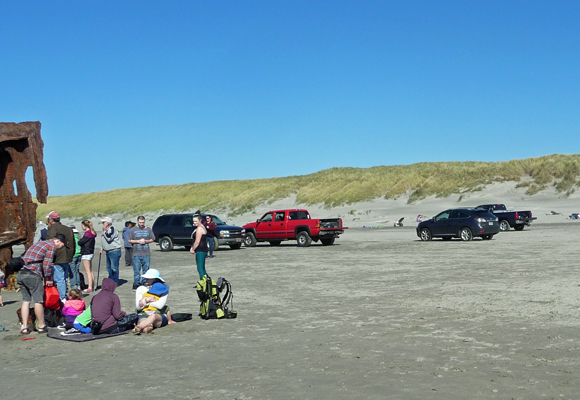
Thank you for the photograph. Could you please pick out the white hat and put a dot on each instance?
(152, 274)
(107, 219)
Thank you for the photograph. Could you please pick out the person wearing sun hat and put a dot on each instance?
(151, 303)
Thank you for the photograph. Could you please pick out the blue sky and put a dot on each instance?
(147, 93)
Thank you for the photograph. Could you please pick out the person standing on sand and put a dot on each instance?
(63, 255)
(128, 246)
(87, 244)
(140, 237)
(38, 263)
(111, 245)
(199, 247)
(210, 228)
(75, 282)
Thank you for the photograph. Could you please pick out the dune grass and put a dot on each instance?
(332, 187)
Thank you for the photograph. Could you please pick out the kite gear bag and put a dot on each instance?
(216, 298)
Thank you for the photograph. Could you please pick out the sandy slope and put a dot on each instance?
(383, 212)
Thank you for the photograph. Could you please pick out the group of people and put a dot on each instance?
(55, 259)
(105, 316)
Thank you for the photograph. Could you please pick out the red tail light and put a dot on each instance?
(517, 216)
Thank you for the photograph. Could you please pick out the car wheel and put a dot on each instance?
(275, 242)
(486, 237)
(504, 225)
(426, 235)
(165, 243)
(216, 244)
(519, 227)
(250, 240)
(327, 242)
(235, 246)
(465, 234)
(304, 239)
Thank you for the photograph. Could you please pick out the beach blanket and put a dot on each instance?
(54, 333)
(82, 337)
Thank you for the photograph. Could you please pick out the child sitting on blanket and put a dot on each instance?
(74, 306)
(81, 324)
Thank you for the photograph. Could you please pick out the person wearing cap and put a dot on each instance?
(75, 282)
(141, 236)
(111, 245)
(151, 303)
(38, 265)
(63, 256)
(128, 246)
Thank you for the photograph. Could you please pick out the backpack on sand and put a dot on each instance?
(212, 305)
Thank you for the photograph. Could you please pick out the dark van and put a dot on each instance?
(177, 230)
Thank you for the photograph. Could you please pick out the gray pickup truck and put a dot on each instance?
(507, 219)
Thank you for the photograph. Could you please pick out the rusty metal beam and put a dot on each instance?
(21, 147)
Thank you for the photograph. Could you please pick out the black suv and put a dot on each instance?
(464, 223)
(177, 230)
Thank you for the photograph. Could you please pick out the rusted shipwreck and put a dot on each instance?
(21, 147)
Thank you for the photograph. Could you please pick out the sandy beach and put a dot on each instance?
(378, 315)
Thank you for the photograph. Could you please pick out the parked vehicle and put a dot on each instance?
(463, 223)
(177, 229)
(295, 224)
(507, 219)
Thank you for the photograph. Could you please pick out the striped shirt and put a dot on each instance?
(41, 253)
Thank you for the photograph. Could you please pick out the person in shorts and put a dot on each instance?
(87, 243)
(38, 264)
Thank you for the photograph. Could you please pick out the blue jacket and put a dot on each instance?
(126, 233)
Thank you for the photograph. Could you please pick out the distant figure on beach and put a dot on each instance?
(199, 247)
(38, 264)
(111, 245)
(128, 246)
(87, 243)
(41, 229)
(2, 284)
(420, 218)
(210, 228)
(140, 237)
(64, 255)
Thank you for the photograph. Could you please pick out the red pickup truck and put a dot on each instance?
(279, 225)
